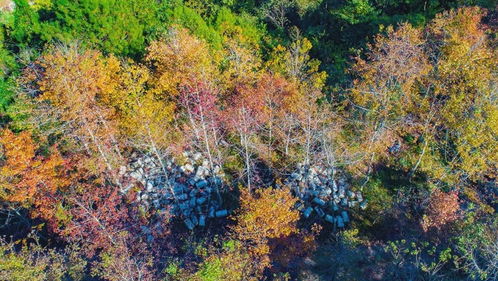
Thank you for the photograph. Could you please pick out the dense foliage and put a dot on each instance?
(187, 140)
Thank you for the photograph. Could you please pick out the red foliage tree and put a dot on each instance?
(94, 216)
(276, 94)
(442, 209)
(200, 103)
(243, 117)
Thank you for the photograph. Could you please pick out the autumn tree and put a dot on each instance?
(276, 95)
(246, 255)
(310, 124)
(244, 117)
(265, 215)
(280, 111)
(464, 92)
(185, 80)
(179, 59)
(143, 117)
(242, 64)
(200, 103)
(94, 216)
(28, 178)
(430, 92)
(443, 208)
(29, 260)
(72, 82)
(386, 86)
(122, 262)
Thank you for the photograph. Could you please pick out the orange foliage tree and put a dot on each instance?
(276, 96)
(73, 83)
(28, 178)
(442, 209)
(309, 125)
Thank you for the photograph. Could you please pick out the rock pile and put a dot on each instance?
(190, 190)
(324, 195)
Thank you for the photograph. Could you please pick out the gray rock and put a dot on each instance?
(359, 196)
(344, 202)
(194, 220)
(307, 212)
(201, 184)
(221, 213)
(189, 224)
(335, 208)
(345, 216)
(189, 168)
(150, 187)
(363, 205)
(350, 194)
(202, 220)
(319, 201)
(319, 211)
(122, 170)
(135, 175)
(330, 219)
(340, 222)
(192, 202)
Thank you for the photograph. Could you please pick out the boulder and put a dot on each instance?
(345, 216)
(189, 224)
(221, 213)
(307, 212)
(340, 222)
(319, 201)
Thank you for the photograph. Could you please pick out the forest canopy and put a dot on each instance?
(248, 140)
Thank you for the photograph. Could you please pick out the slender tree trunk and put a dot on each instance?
(114, 141)
(288, 139)
(159, 158)
(412, 172)
(247, 160)
(103, 156)
(308, 140)
(206, 139)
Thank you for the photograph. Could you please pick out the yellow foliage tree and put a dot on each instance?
(465, 95)
(143, 117)
(267, 214)
(386, 87)
(179, 59)
(265, 218)
(73, 82)
(436, 86)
